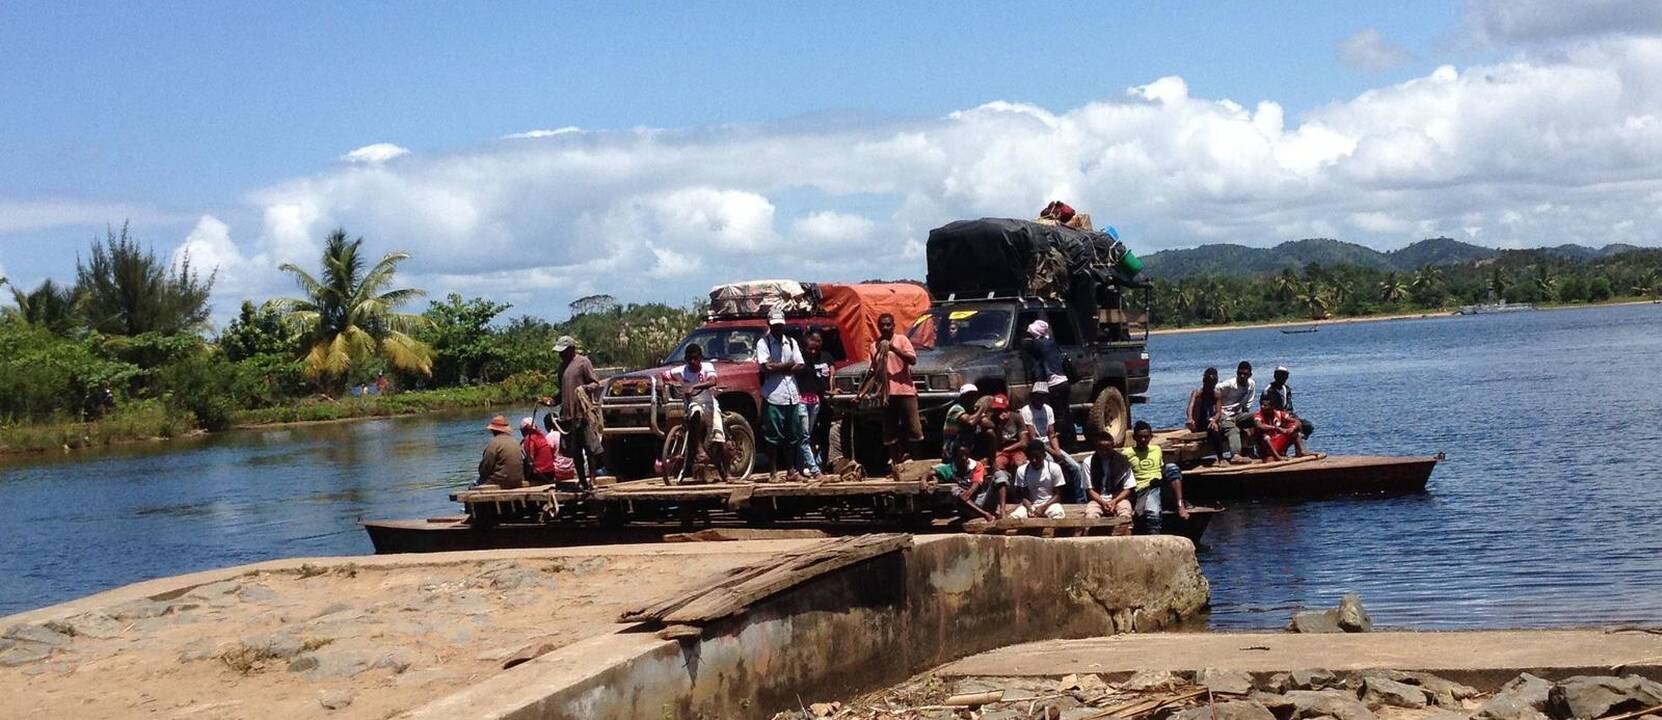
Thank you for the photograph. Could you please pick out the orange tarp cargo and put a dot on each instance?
(855, 309)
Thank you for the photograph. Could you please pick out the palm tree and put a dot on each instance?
(1286, 285)
(1498, 283)
(49, 305)
(1315, 300)
(1546, 281)
(1429, 277)
(1648, 285)
(349, 315)
(1392, 289)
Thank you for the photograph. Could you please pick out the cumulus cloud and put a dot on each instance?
(1499, 22)
(210, 249)
(377, 153)
(1368, 50)
(1540, 149)
(535, 134)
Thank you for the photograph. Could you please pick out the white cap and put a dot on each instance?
(1041, 387)
(968, 388)
(1282, 369)
(776, 315)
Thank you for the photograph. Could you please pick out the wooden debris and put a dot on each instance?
(731, 592)
(974, 699)
(680, 632)
(728, 534)
(1143, 706)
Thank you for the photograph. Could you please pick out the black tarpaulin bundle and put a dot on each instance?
(975, 257)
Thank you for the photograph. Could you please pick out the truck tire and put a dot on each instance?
(1110, 415)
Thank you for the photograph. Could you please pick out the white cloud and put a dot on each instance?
(1498, 22)
(1368, 50)
(536, 134)
(211, 250)
(377, 153)
(663, 214)
(30, 215)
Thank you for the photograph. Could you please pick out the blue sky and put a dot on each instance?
(173, 114)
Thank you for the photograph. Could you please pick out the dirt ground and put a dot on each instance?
(340, 642)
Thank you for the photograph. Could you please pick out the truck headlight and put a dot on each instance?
(940, 382)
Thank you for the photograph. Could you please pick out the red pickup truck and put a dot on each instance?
(640, 409)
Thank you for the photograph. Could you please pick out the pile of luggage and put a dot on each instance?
(1049, 257)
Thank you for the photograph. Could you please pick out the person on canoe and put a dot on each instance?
(1234, 414)
(538, 453)
(1276, 429)
(1279, 395)
(1202, 415)
(1148, 468)
(702, 416)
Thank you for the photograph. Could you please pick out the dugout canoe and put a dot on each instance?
(1316, 476)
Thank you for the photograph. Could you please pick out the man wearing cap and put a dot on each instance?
(961, 418)
(1279, 396)
(893, 355)
(578, 411)
(502, 465)
(1038, 419)
(778, 357)
(1001, 433)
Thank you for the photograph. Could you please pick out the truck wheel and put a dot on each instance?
(741, 445)
(1110, 415)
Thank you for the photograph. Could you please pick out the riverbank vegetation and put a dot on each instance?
(1517, 276)
(126, 351)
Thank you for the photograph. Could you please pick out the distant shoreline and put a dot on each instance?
(1426, 315)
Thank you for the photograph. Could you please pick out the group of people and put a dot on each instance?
(1010, 463)
(563, 449)
(1235, 432)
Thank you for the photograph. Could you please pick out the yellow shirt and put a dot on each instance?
(1145, 467)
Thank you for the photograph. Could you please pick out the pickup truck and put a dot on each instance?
(978, 340)
(639, 409)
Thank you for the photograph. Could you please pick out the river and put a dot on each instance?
(1545, 513)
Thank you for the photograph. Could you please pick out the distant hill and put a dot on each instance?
(1230, 259)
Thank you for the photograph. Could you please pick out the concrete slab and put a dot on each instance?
(1484, 659)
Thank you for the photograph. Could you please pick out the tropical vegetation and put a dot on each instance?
(126, 351)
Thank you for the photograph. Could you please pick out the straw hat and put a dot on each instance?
(499, 424)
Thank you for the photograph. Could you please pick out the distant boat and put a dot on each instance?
(1495, 307)
(1299, 330)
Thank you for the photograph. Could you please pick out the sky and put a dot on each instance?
(534, 153)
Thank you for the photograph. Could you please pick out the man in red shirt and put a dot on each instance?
(892, 358)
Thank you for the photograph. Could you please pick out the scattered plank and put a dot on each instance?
(730, 534)
(974, 699)
(732, 592)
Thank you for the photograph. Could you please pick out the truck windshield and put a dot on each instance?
(949, 326)
(730, 344)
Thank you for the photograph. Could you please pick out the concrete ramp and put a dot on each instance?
(1484, 659)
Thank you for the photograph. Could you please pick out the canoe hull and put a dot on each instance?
(1334, 476)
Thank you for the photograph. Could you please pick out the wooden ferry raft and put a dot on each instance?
(1311, 476)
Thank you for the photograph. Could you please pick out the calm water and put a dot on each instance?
(1544, 514)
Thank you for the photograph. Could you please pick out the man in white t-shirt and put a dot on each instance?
(1235, 405)
(1038, 419)
(1041, 482)
(778, 356)
(697, 380)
